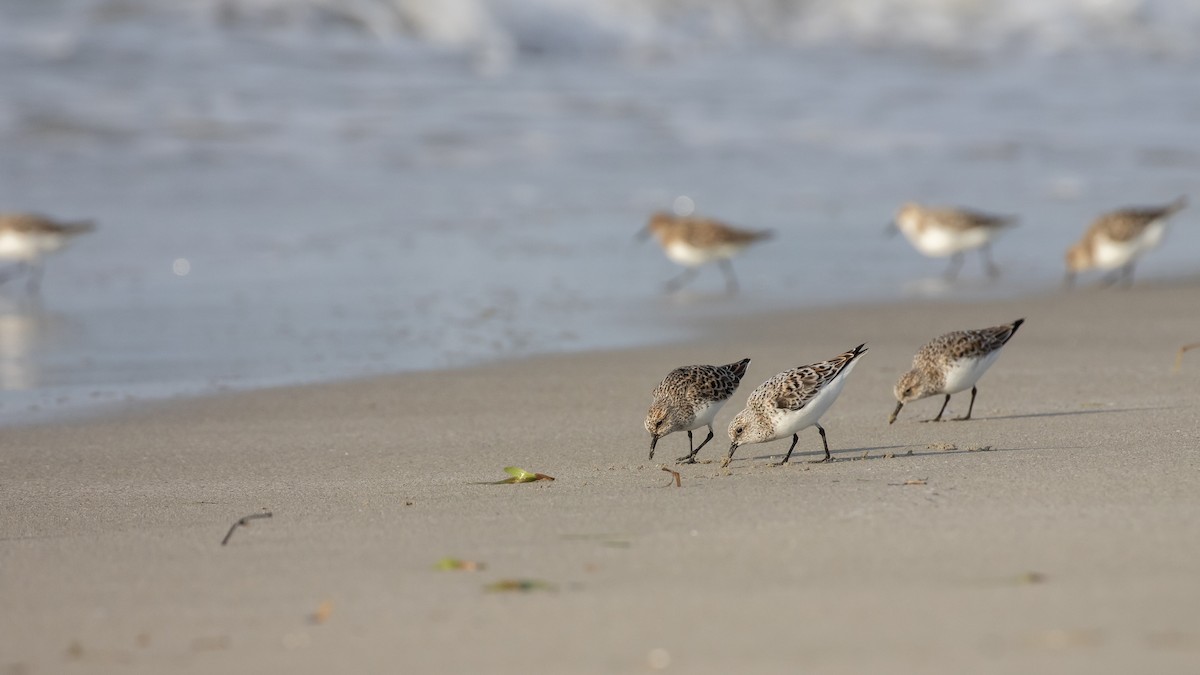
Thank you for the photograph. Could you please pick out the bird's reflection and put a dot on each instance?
(24, 326)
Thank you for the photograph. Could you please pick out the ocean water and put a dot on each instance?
(304, 190)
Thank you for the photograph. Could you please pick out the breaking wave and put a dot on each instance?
(637, 27)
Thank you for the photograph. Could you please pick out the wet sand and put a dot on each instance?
(1058, 531)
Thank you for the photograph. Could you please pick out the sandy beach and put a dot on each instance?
(1057, 532)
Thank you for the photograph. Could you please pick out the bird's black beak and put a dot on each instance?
(1069, 281)
(653, 442)
(895, 412)
(642, 234)
(732, 449)
(890, 229)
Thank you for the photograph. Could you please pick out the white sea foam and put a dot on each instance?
(635, 27)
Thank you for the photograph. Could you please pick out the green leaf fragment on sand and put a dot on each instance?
(454, 564)
(519, 586)
(520, 475)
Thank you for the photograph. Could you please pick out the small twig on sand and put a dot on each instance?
(1179, 355)
(912, 481)
(244, 522)
(678, 481)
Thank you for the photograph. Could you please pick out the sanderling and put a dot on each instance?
(26, 237)
(693, 241)
(950, 363)
(689, 398)
(939, 232)
(1116, 240)
(791, 402)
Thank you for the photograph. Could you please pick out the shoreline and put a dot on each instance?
(697, 314)
(1053, 531)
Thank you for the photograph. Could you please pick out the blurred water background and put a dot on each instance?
(303, 190)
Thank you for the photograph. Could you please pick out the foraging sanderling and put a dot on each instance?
(951, 363)
(942, 231)
(26, 237)
(791, 402)
(692, 241)
(1116, 240)
(689, 398)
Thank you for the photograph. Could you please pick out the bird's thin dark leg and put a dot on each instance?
(988, 263)
(677, 282)
(691, 457)
(13, 271)
(969, 407)
(1127, 275)
(956, 263)
(34, 283)
(824, 442)
(795, 439)
(939, 415)
(731, 284)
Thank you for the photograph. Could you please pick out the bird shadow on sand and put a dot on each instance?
(1068, 413)
(882, 452)
(969, 450)
(798, 457)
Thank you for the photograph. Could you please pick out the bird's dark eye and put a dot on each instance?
(738, 431)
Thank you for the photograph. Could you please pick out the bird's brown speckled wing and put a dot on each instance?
(1127, 224)
(962, 344)
(708, 233)
(965, 219)
(34, 223)
(793, 389)
(703, 383)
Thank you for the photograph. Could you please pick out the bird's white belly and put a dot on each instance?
(1153, 235)
(938, 242)
(966, 372)
(24, 246)
(792, 422)
(706, 415)
(1110, 255)
(691, 256)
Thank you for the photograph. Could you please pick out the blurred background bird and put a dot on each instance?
(692, 241)
(25, 238)
(1117, 239)
(946, 231)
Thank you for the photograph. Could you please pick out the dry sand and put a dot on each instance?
(1057, 532)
